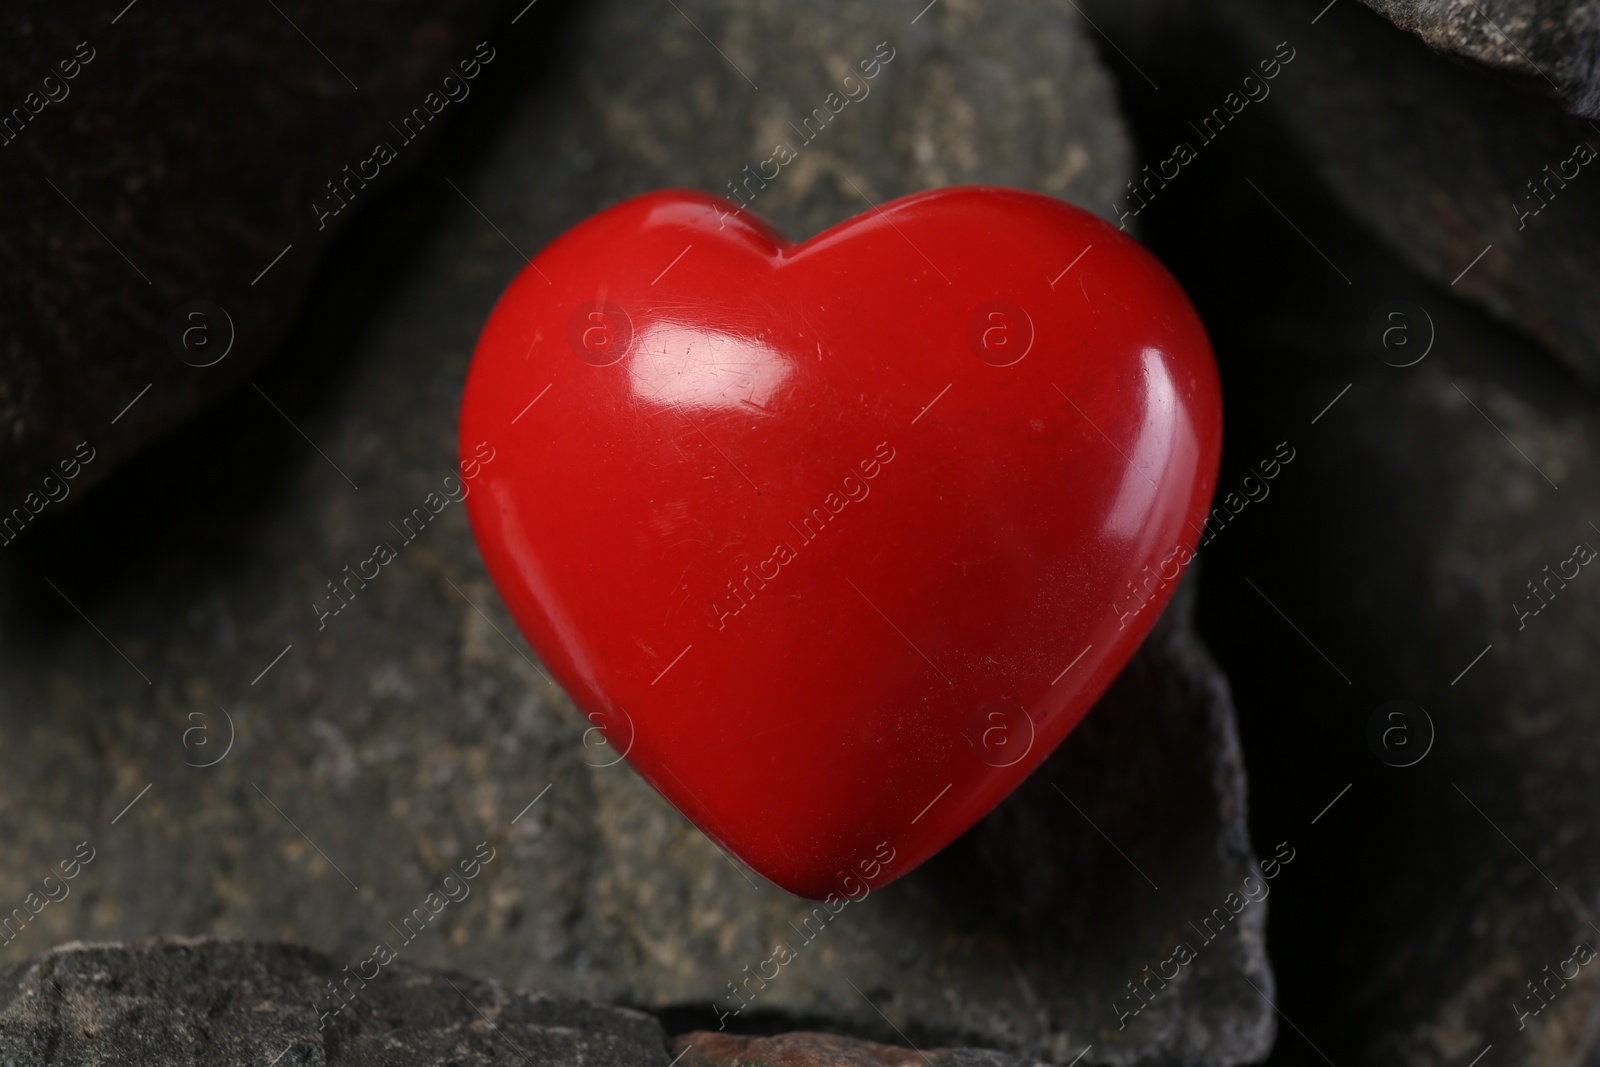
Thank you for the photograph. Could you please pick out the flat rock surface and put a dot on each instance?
(169, 696)
(804, 1049)
(183, 1001)
(173, 1001)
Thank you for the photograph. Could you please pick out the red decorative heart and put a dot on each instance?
(838, 540)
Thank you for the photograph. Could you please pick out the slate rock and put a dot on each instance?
(1550, 45)
(163, 156)
(315, 776)
(1467, 875)
(804, 1049)
(174, 1001)
(1438, 891)
(1384, 566)
(1449, 164)
(1458, 167)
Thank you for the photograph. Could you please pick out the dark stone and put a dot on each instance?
(1425, 897)
(194, 143)
(804, 1049)
(1434, 892)
(1436, 157)
(373, 750)
(1553, 47)
(178, 1001)
(1433, 154)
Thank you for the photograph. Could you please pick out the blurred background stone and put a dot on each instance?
(244, 772)
(159, 155)
(1444, 159)
(1387, 567)
(1440, 890)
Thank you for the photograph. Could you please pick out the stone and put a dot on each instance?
(966, 96)
(1550, 46)
(157, 158)
(1470, 176)
(1435, 892)
(256, 744)
(200, 1000)
(1385, 565)
(803, 1049)
(1457, 166)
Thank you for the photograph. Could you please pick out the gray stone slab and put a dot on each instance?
(177, 1001)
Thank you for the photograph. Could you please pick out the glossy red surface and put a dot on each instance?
(838, 540)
